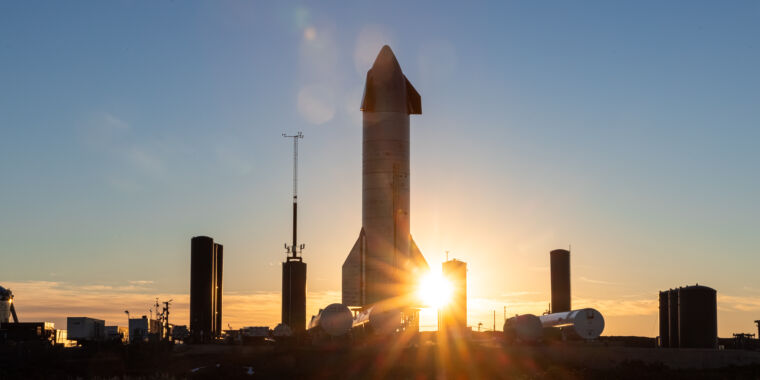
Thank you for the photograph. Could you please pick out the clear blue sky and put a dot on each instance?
(628, 130)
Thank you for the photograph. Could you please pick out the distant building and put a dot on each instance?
(452, 317)
(117, 333)
(205, 288)
(143, 329)
(85, 329)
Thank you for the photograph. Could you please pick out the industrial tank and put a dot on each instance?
(523, 328)
(6, 300)
(294, 294)
(586, 323)
(559, 260)
(673, 318)
(698, 318)
(664, 320)
(335, 320)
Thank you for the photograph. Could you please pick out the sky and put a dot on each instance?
(627, 131)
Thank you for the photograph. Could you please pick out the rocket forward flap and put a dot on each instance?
(352, 274)
(418, 261)
(387, 89)
(413, 99)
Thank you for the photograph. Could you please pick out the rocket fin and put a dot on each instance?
(353, 281)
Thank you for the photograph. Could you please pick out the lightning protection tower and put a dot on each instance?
(294, 269)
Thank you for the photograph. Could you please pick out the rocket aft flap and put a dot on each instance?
(385, 263)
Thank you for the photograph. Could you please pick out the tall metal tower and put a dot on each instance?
(294, 269)
(295, 249)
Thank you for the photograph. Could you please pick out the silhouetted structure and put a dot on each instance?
(758, 328)
(697, 317)
(205, 288)
(294, 294)
(294, 269)
(692, 318)
(664, 319)
(560, 280)
(452, 317)
(384, 262)
(219, 252)
(673, 318)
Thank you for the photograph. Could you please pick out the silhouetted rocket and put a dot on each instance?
(385, 262)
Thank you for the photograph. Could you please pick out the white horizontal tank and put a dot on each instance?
(586, 323)
(335, 320)
(6, 300)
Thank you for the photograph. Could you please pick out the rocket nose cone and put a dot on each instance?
(386, 62)
(387, 89)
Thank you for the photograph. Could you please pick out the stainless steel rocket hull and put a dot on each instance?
(384, 263)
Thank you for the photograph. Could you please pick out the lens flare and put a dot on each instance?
(434, 290)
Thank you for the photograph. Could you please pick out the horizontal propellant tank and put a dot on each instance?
(334, 320)
(586, 323)
(525, 328)
(6, 303)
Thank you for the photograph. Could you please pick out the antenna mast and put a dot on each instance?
(295, 249)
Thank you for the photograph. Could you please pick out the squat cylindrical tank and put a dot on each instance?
(335, 320)
(698, 317)
(560, 280)
(664, 320)
(524, 328)
(673, 318)
(586, 323)
(294, 294)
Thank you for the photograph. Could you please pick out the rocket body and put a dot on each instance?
(384, 262)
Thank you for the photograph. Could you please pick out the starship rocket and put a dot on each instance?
(384, 264)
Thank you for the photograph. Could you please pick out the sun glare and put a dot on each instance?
(434, 290)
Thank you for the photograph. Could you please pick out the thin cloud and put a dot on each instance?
(600, 282)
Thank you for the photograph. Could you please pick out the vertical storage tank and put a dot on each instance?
(673, 318)
(698, 317)
(560, 280)
(664, 320)
(205, 284)
(218, 253)
(294, 294)
(452, 318)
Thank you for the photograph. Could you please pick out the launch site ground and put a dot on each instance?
(480, 358)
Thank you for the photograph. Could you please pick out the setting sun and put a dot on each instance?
(434, 290)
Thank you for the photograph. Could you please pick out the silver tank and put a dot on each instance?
(6, 300)
(586, 323)
(335, 320)
(523, 328)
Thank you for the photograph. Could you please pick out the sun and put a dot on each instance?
(434, 290)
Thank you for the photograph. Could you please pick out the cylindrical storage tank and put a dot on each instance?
(560, 280)
(335, 320)
(664, 320)
(202, 292)
(698, 317)
(294, 295)
(524, 328)
(384, 318)
(585, 323)
(219, 254)
(673, 318)
(6, 299)
(452, 317)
